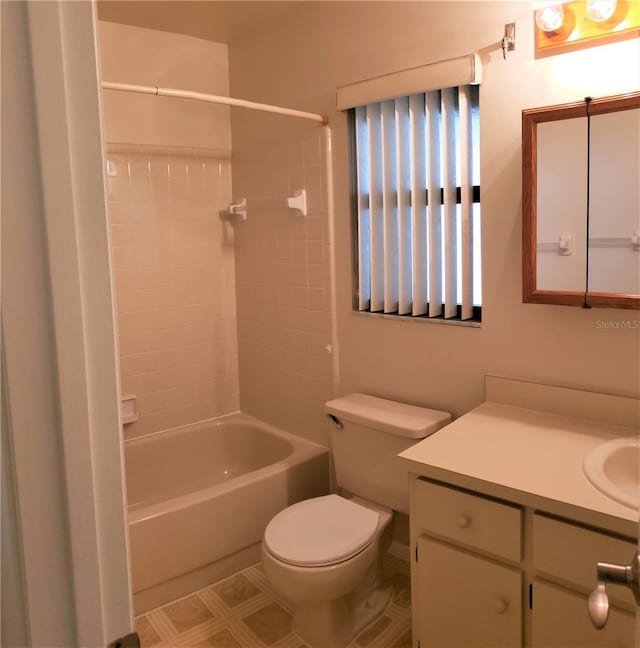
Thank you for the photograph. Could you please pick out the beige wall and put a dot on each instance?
(283, 281)
(156, 58)
(300, 63)
(173, 255)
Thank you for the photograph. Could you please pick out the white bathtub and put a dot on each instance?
(201, 496)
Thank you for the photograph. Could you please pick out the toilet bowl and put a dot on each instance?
(323, 555)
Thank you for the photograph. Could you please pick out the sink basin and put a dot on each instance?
(613, 468)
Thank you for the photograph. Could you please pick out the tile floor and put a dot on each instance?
(243, 611)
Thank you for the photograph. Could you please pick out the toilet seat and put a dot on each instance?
(320, 531)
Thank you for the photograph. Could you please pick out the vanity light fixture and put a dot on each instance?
(550, 17)
(601, 10)
(568, 26)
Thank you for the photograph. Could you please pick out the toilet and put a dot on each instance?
(323, 555)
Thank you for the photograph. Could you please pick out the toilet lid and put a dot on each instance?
(320, 531)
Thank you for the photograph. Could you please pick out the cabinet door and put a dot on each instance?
(465, 600)
(560, 620)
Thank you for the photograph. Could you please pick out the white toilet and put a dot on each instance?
(323, 555)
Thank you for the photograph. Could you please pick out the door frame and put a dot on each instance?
(59, 335)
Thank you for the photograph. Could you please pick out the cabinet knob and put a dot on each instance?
(463, 521)
(501, 606)
(598, 606)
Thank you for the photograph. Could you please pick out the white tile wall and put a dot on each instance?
(283, 288)
(173, 260)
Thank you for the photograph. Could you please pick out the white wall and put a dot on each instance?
(299, 63)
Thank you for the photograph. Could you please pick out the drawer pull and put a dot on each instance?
(463, 522)
(501, 606)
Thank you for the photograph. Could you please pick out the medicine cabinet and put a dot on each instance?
(581, 203)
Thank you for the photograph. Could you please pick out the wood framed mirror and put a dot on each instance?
(581, 203)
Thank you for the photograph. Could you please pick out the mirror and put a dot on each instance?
(581, 181)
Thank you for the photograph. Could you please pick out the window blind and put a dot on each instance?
(418, 193)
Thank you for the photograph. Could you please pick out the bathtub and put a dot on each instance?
(200, 497)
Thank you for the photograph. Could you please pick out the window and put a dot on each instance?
(417, 200)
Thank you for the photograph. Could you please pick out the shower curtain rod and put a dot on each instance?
(199, 96)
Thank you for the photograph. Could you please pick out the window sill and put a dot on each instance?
(426, 320)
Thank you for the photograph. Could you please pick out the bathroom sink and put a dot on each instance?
(613, 468)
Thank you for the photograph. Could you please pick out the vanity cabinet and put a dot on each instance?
(489, 572)
(567, 554)
(559, 618)
(466, 600)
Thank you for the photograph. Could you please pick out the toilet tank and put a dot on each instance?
(367, 433)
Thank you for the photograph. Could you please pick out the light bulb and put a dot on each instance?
(601, 10)
(549, 18)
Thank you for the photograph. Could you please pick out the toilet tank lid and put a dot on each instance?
(388, 416)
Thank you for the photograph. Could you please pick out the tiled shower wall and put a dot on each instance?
(173, 259)
(283, 284)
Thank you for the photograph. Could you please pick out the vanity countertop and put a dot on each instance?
(529, 457)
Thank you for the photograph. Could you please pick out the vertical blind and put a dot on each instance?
(418, 193)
